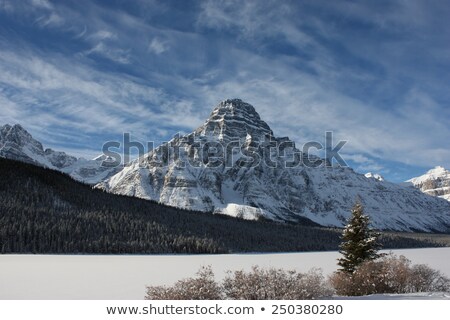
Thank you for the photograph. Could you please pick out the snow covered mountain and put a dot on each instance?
(375, 176)
(435, 182)
(17, 144)
(233, 164)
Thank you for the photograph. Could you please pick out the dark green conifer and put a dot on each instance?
(359, 241)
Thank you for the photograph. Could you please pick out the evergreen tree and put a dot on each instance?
(359, 241)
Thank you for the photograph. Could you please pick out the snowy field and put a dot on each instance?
(125, 277)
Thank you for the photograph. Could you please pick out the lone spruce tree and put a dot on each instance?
(359, 241)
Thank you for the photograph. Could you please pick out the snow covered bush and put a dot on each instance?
(389, 274)
(257, 284)
(202, 287)
(275, 284)
(426, 279)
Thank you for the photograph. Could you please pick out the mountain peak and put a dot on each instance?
(16, 134)
(5, 127)
(375, 176)
(13, 128)
(235, 119)
(435, 182)
(236, 104)
(16, 143)
(4, 131)
(437, 170)
(435, 173)
(235, 108)
(18, 127)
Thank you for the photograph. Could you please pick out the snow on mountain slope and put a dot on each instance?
(435, 182)
(17, 144)
(233, 164)
(375, 176)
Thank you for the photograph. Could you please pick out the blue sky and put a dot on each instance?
(376, 73)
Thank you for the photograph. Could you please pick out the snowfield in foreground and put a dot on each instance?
(125, 277)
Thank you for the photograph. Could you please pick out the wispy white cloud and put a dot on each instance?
(114, 54)
(48, 16)
(157, 46)
(102, 35)
(63, 93)
(6, 6)
(358, 158)
(364, 164)
(370, 167)
(251, 18)
(45, 4)
(51, 19)
(10, 110)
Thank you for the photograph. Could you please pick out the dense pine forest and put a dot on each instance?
(44, 211)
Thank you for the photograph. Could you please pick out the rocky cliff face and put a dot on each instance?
(17, 144)
(233, 164)
(436, 182)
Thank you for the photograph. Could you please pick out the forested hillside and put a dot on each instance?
(44, 211)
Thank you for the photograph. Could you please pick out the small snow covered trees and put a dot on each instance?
(359, 241)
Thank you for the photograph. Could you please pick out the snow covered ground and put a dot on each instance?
(125, 277)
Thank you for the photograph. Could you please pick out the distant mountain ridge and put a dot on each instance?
(17, 144)
(238, 187)
(436, 182)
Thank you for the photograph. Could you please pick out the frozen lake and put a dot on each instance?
(125, 277)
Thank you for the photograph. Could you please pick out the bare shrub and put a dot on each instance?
(202, 287)
(258, 284)
(426, 279)
(389, 274)
(275, 284)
